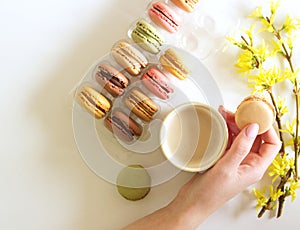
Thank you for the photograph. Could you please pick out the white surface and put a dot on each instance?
(46, 46)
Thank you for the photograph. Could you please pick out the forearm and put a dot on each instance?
(176, 215)
(187, 211)
(160, 219)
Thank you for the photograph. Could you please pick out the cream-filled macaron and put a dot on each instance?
(255, 109)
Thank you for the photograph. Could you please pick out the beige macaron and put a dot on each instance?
(171, 61)
(129, 57)
(255, 109)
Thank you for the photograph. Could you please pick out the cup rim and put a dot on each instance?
(216, 116)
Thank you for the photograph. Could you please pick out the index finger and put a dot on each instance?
(270, 147)
(270, 137)
(230, 120)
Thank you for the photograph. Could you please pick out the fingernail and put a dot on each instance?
(252, 130)
(222, 110)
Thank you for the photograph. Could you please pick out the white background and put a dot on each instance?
(45, 48)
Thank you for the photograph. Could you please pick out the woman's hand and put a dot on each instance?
(245, 161)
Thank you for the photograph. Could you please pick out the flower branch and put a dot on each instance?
(262, 79)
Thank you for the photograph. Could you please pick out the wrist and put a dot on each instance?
(187, 214)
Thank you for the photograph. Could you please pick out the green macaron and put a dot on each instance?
(147, 36)
(133, 182)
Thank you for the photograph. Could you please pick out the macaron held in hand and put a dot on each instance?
(147, 36)
(141, 105)
(123, 126)
(129, 57)
(157, 83)
(111, 79)
(93, 101)
(163, 15)
(255, 109)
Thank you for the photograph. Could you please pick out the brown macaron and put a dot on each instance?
(111, 79)
(123, 126)
(129, 57)
(141, 105)
(255, 109)
(93, 101)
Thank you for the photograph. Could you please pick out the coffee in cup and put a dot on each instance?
(193, 136)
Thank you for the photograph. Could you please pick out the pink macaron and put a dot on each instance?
(157, 83)
(162, 15)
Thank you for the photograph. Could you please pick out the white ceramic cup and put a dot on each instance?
(193, 137)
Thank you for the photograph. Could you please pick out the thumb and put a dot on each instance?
(242, 145)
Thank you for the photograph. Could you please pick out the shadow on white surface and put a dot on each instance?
(75, 197)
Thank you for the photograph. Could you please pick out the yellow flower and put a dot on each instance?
(246, 62)
(251, 30)
(277, 46)
(290, 40)
(279, 167)
(294, 185)
(257, 13)
(265, 79)
(274, 5)
(275, 194)
(282, 108)
(291, 162)
(292, 76)
(235, 42)
(290, 127)
(249, 33)
(262, 51)
(290, 25)
(267, 22)
(290, 142)
(261, 199)
(267, 25)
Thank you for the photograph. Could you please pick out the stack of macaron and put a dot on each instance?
(119, 88)
(129, 63)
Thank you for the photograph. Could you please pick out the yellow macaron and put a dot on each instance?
(171, 61)
(93, 101)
